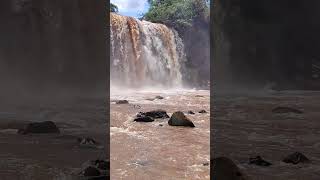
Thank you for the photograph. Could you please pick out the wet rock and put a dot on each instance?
(179, 119)
(122, 102)
(154, 114)
(91, 171)
(202, 111)
(296, 158)
(286, 110)
(159, 97)
(259, 161)
(191, 112)
(89, 143)
(205, 164)
(40, 127)
(144, 119)
(225, 169)
(160, 125)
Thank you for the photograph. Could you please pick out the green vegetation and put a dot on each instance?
(177, 13)
(113, 8)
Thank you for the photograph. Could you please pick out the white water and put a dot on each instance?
(145, 54)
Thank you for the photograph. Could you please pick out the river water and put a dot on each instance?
(156, 150)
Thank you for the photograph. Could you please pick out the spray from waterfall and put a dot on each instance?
(144, 54)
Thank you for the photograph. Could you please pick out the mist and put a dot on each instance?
(51, 50)
(266, 42)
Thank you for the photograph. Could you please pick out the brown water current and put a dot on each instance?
(156, 150)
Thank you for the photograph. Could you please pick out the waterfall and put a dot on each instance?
(144, 54)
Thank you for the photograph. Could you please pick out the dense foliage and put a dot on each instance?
(177, 13)
(113, 8)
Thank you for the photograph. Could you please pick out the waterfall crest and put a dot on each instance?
(144, 54)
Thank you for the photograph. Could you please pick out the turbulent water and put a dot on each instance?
(144, 53)
(156, 150)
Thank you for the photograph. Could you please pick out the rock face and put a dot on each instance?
(296, 158)
(179, 119)
(40, 127)
(225, 169)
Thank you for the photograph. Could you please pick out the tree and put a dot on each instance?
(177, 13)
(114, 8)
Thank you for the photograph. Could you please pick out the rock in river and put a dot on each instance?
(281, 110)
(144, 119)
(122, 102)
(296, 158)
(225, 169)
(179, 119)
(154, 114)
(259, 161)
(40, 127)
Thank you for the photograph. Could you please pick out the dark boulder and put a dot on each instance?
(296, 158)
(144, 119)
(40, 127)
(225, 169)
(179, 119)
(122, 102)
(159, 97)
(202, 111)
(191, 112)
(282, 110)
(154, 114)
(259, 161)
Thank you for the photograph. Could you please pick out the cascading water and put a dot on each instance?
(145, 54)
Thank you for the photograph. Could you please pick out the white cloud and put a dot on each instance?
(130, 5)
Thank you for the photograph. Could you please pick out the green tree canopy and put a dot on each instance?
(177, 13)
(113, 8)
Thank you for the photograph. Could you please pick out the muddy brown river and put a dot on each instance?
(155, 150)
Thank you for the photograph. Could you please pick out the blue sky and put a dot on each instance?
(131, 7)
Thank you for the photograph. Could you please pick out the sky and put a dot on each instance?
(131, 7)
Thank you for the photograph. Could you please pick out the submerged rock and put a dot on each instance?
(286, 110)
(225, 169)
(122, 102)
(154, 114)
(40, 127)
(157, 97)
(259, 161)
(296, 158)
(144, 119)
(179, 119)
